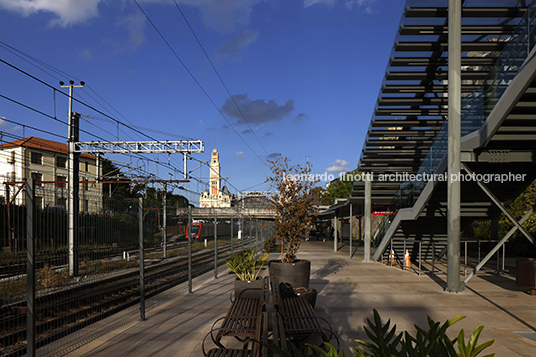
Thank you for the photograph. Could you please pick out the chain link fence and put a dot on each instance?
(57, 295)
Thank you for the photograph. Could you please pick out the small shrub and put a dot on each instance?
(270, 245)
(48, 277)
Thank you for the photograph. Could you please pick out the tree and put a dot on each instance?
(340, 188)
(111, 172)
(293, 202)
(519, 244)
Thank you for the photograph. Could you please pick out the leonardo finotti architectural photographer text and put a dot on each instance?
(405, 176)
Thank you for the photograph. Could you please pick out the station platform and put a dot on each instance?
(348, 290)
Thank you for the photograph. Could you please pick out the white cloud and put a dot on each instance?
(307, 3)
(349, 4)
(239, 153)
(87, 54)
(301, 117)
(256, 111)
(338, 166)
(67, 12)
(135, 24)
(223, 15)
(236, 44)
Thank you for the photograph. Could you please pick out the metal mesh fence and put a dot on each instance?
(57, 295)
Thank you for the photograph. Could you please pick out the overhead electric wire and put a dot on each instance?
(80, 102)
(76, 100)
(196, 81)
(30, 127)
(218, 75)
(87, 132)
(132, 127)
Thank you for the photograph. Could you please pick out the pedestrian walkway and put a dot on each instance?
(348, 290)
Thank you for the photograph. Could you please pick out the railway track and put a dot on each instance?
(69, 310)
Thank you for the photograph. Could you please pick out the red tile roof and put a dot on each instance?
(43, 144)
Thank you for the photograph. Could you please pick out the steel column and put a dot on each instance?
(454, 146)
(142, 260)
(215, 245)
(368, 216)
(73, 190)
(335, 233)
(189, 249)
(30, 268)
(350, 231)
(164, 220)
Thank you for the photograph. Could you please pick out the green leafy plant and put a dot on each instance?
(384, 341)
(472, 348)
(246, 264)
(432, 341)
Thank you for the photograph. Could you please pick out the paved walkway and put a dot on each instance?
(348, 291)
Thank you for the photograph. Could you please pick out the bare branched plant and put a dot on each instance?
(294, 203)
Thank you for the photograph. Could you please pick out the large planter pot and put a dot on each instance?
(526, 274)
(307, 293)
(249, 289)
(296, 274)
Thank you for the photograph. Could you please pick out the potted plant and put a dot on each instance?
(294, 205)
(247, 265)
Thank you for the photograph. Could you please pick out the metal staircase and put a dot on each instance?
(498, 137)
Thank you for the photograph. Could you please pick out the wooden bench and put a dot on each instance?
(241, 318)
(300, 319)
(269, 329)
(273, 332)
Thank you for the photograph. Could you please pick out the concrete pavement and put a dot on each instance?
(348, 290)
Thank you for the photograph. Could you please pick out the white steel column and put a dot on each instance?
(368, 216)
(454, 145)
(73, 182)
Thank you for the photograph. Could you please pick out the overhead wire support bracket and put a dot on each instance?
(153, 147)
(184, 147)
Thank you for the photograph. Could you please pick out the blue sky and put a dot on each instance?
(305, 74)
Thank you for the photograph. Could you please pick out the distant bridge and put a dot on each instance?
(227, 212)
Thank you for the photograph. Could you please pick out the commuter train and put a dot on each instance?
(205, 230)
(197, 228)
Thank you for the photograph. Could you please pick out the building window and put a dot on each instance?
(36, 158)
(85, 205)
(37, 177)
(61, 162)
(60, 181)
(39, 202)
(13, 158)
(61, 202)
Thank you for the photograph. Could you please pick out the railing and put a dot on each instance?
(475, 109)
(394, 259)
(500, 262)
